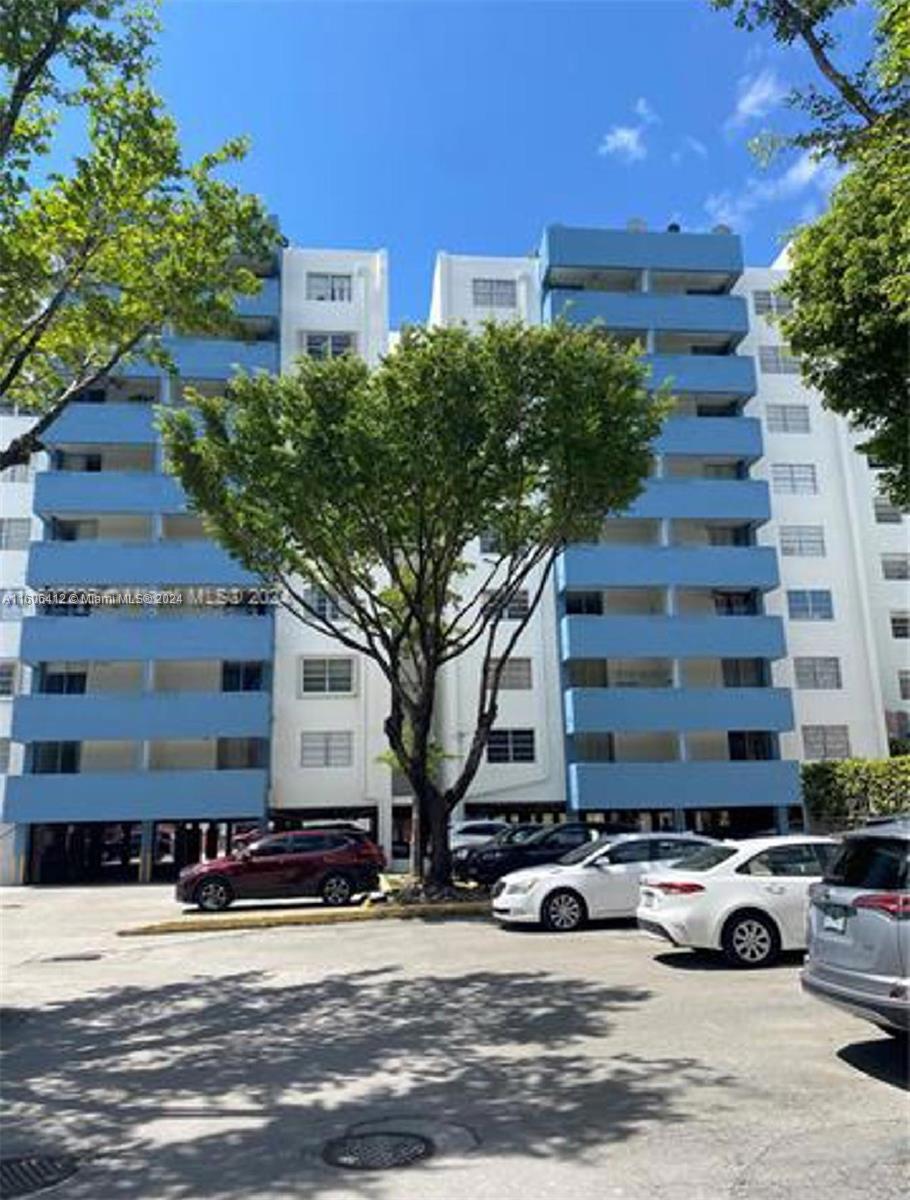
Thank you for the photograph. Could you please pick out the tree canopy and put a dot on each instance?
(372, 486)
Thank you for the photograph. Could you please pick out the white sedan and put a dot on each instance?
(748, 899)
(596, 880)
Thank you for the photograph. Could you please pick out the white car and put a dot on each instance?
(748, 899)
(474, 833)
(599, 879)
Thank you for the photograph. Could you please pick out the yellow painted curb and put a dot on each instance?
(337, 916)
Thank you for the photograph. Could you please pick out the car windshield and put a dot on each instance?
(508, 837)
(707, 857)
(867, 862)
(580, 853)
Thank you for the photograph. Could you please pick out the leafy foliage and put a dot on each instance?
(370, 485)
(843, 794)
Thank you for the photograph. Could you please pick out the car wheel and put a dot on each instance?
(562, 911)
(750, 939)
(336, 891)
(214, 894)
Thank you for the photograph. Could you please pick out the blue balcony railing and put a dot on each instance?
(649, 310)
(127, 424)
(594, 567)
(704, 374)
(115, 717)
(213, 635)
(672, 637)
(615, 710)
(95, 492)
(734, 437)
(139, 564)
(727, 499)
(567, 246)
(622, 786)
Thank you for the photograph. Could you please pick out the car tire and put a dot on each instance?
(563, 911)
(214, 894)
(750, 940)
(336, 890)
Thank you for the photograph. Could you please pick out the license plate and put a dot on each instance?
(834, 921)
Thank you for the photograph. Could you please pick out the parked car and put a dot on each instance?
(335, 864)
(859, 928)
(747, 899)
(549, 843)
(595, 880)
(464, 856)
(474, 833)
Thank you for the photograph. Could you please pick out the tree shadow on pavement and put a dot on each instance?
(227, 1086)
(884, 1058)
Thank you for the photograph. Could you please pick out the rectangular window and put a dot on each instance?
(326, 345)
(516, 674)
(787, 418)
(794, 479)
(489, 543)
(887, 513)
(768, 303)
(320, 286)
(810, 605)
(896, 566)
(8, 677)
(4, 756)
(19, 473)
(322, 604)
(900, 624)
(826, 741)
(511, 746)
(817, 673)
(494, 293)
(516, 608)
(802, 541)
(327, 676)
(777, 360)
(15, 533)
(903, 682)
(241, 677)
(329, 748)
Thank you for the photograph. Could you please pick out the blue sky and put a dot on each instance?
(425, 125)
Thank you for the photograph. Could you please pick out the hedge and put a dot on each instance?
(843, 794)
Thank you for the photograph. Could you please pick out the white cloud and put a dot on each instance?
(757, 95)
(689, 145)
(626, 141)
(806, 176)
(645, 112)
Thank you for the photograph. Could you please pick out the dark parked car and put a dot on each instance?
(549, 843)
(335, 864)
(463, 857)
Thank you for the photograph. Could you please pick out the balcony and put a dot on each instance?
(110, 638)
(705, 374)
(648, 310)
(135, 564)
(672, 637)
(713, 253)
(732, 437)
(131, 424)
(213, 358)
(266, 302)
(116, 716)
(590, 568)
(136, 796)
(616, 710)
(96, 492)
(606, 786)
(731, 499)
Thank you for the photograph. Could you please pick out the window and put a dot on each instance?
(787, 418)
(322, 604)
(4, 756)
(896, 566)
(900, 624)
(332, 676)
(326, 345)
(826, 741)
(887, 513)
(495, 293)
(19, 473)
(516, 674)
(675, 849)
(768, 303)
(903, 682)
(797, 859)
(511, 746)
(55, 758)
(794, 479)
(329, 748)
(817, 673)
(876, 863)
(320, 286)
(489, 543)
(777, 360)
(241, 753)
(809, 605)
(629, 852)
(15, 533)
(515, 609)
(241, 677)
(8, 678)
(803, 541)
(589, 604)
(271, 847)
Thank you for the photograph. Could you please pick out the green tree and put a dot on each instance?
(97, 264)
(371, 485)
(850, 276)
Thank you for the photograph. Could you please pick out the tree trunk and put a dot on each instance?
(440, 872)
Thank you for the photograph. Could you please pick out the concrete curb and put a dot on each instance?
(336, 916)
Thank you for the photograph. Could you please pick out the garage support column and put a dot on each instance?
(147, 851)
(384, 826)
(782, 818)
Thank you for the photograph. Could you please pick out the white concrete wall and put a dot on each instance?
(452, 292)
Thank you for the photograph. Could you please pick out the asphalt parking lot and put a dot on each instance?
(597, 1064)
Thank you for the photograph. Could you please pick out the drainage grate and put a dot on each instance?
(25, 1176)
(377, 1151)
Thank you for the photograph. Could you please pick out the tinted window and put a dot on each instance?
(568, 838)
(708, 857)
(583, 851)
(271, 847)
(629, 852)
(799, 859)
(878, 863)
(667, 848)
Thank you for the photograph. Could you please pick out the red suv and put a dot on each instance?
(331, 863)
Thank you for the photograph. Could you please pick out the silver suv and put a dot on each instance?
(859, 928)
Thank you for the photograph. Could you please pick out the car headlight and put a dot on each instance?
(521, 886)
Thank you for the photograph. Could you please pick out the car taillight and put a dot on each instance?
(678, 889)
(893, 904)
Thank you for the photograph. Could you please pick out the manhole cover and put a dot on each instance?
(88, 956)
(24, 1176)
(377, 1151)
